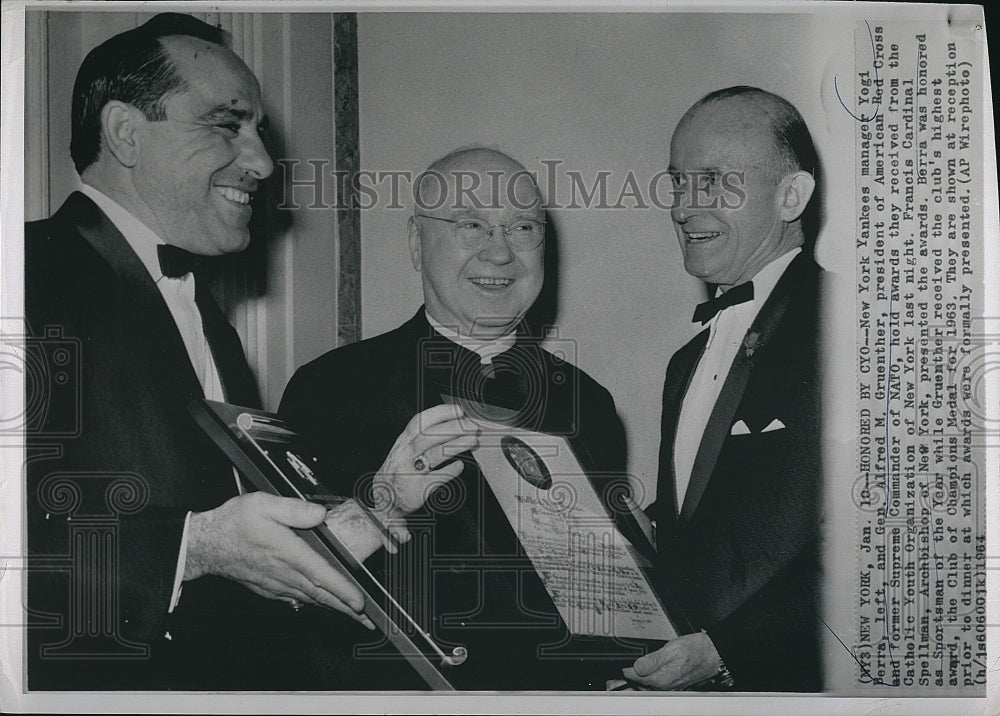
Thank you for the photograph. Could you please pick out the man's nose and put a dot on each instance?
(497, 249)
(254, 159)
(680, 213)
(681, 210)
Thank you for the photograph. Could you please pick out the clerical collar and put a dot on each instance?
(767, 278)
(140, 237)
(486, 350)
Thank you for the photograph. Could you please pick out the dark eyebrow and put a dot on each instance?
(224, 112)
(706, 170)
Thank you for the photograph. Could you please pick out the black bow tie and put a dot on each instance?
(734, 296)
(237, 380)
(176, 262)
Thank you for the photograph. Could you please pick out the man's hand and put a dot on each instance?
(435, 436)
(250, 540)
(679, 664)
(359, 531)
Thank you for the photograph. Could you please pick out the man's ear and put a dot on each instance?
(119, 135)
(413, 237)
(795, 191)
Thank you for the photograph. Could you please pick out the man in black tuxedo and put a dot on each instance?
(738, 497)
(134, 502)
(464, 575)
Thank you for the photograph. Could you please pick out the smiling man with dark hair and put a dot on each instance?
(167, 127)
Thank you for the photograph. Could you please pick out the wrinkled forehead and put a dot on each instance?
(212, 70)
(484, 184)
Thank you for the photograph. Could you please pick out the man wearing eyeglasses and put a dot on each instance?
(477, 239)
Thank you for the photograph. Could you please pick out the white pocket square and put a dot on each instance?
(774, 425)
(739, 428)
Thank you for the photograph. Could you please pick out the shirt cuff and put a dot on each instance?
(175, 595)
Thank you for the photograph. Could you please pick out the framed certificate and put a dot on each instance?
(591, 556)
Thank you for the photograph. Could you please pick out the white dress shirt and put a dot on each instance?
(178, 294)
(726, 332)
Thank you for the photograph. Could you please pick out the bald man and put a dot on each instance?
(463, 574)
(738, 494)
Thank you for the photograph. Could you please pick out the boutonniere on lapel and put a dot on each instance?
(751, 342)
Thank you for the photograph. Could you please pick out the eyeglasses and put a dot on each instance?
(524, 235)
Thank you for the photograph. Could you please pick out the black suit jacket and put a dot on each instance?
(114, 464)
(742, 551)
(463, 574)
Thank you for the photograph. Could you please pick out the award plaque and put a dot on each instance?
(269, 455)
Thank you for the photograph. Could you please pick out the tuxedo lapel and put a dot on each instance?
(679, 374)
(716, 432)
(148, 312)
(238, 382)
(719, 423)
